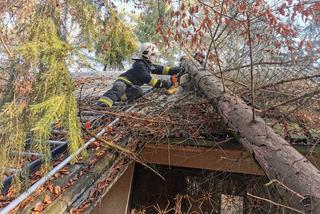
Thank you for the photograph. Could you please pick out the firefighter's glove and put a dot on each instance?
(166, 84)
(176, 70)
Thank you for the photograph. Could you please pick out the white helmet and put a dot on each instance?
(149, 52)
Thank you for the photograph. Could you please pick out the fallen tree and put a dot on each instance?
(297, 178)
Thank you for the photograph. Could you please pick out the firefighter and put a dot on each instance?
(127, 86)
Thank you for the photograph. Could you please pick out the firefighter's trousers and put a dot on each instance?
(121, 91)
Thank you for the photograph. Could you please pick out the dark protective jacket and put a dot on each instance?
(140, 72)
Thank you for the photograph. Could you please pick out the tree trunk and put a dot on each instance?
(277, 158)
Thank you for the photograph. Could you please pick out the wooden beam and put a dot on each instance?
(228, 160)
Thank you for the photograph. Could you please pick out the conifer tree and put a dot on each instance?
(153, 23)
(40, 43)
(117, 43)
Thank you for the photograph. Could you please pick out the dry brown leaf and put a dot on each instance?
(47, 199)
(55, 163)
(38, 173)
(57, 190)
(56, 175)
(64, 171)
(101, 154)
(27, 201)
(58, 125)
(102, 185)
(11, 192)
(84, 207)
(91, 194)
(92, 161)
(39, 207)
(51, 188)
(75, 211)
(96, 143)
(39, 190)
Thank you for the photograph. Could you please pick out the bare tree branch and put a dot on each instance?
(275, 203)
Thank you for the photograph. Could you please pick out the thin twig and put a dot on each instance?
(299, 107)
(218, 61)
(129, 154)
(110, 144)
(271, 63)
(208, 52)
(251, 71)
(6, 46)
(143, 119)
(287, 81)
(281, 184)
(294, 99)
(8, 6)
(275, 203)
(212, 38)
(214, 10)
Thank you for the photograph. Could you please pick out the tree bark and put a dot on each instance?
(277, 158)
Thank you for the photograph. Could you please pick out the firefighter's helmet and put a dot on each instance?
(149, 52)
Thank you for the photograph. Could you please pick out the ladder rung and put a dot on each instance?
(92, 113)
(12, 170)
(26, 154)
(56, 142)
(56, 131)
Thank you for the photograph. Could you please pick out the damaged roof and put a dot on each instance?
(185, 118)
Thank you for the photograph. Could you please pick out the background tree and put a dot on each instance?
(152, 13)
(118, 42)
(240, 37)
(155, 17)
(255, 48)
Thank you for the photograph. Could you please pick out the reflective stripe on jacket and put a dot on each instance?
(140, 72)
